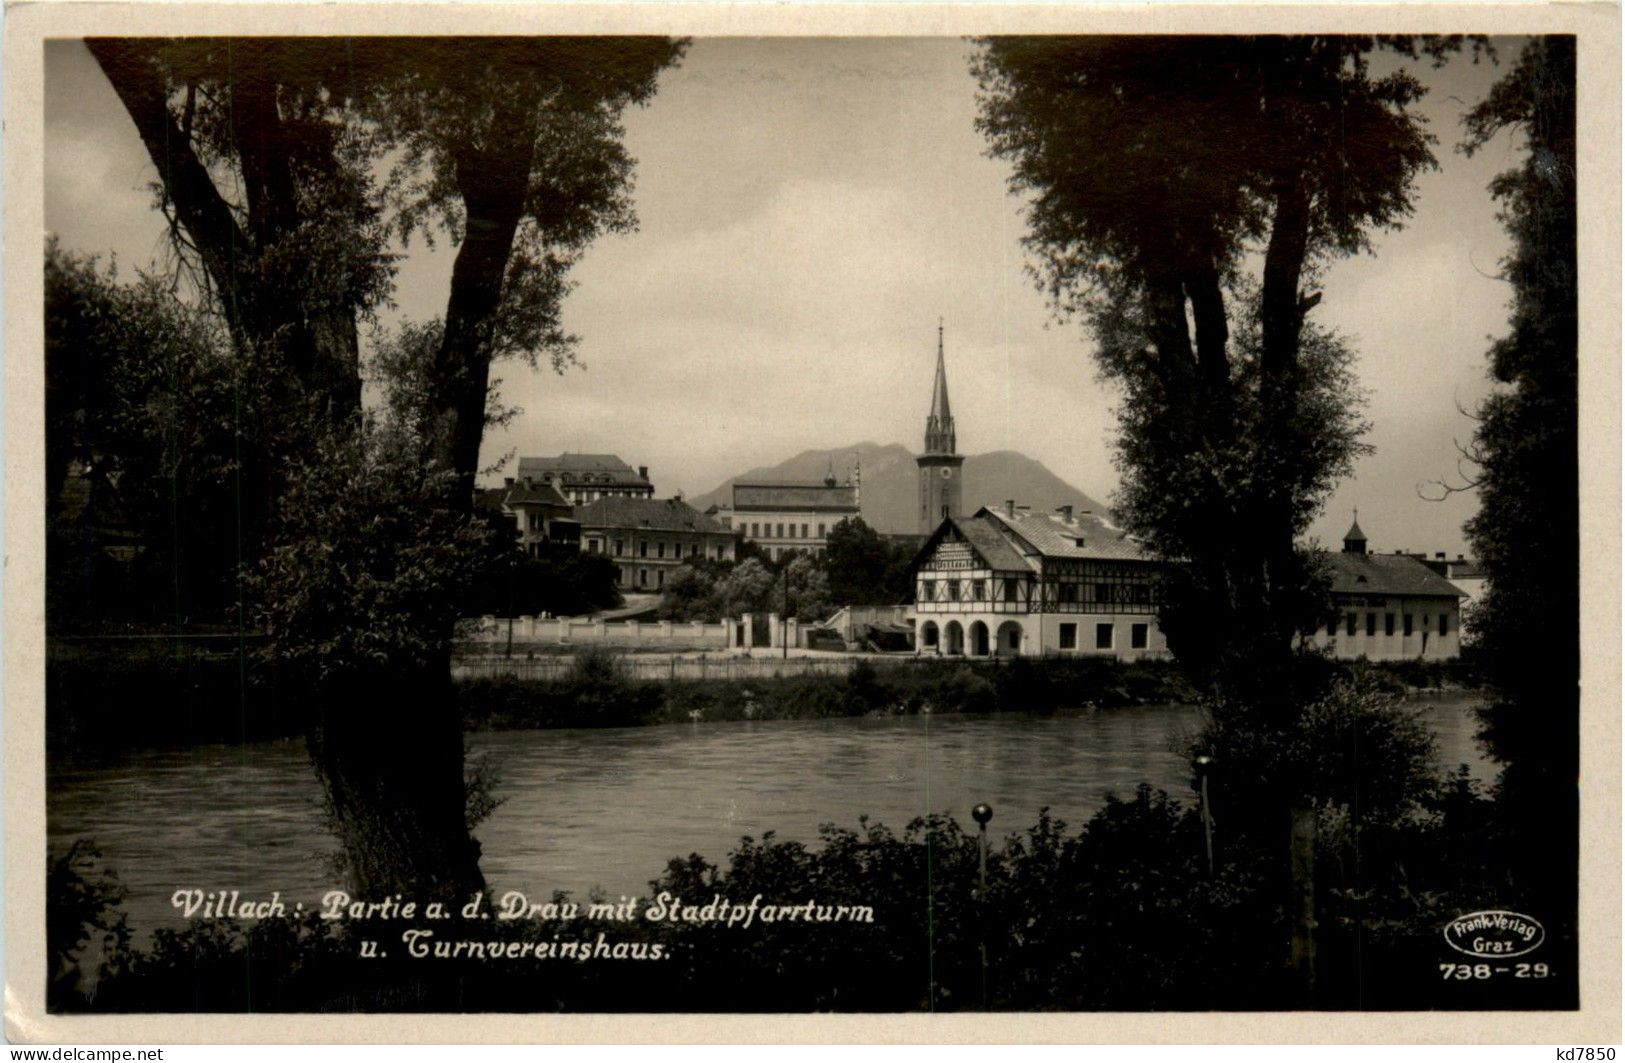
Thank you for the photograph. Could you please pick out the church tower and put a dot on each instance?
(939, 466)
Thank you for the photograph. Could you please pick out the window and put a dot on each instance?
(781, 531)
(953, 590)
(643, 548)
(1103, 592)
(1138, 635)
(592, 546)
(821, 531)
(978, 589)
(1069, 636)
(1069, 592)
(618, 548)
(927, 590)
(660, 549)
(1331, 628)
(1444, 624)
(643, 577)
(660, 577)
(535, 522)
(1387, 623)
(1354, 618)
(1407, 625)
(1010, 592)
(804, 534)
(1370, 625)
(694, 550)
(755, 530)
(928, 635)
(722, 551)
(1103, 636)
(944, 512)
(1015, 638)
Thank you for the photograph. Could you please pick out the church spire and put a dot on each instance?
(939, 426)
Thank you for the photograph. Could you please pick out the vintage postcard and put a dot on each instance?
(810, 523)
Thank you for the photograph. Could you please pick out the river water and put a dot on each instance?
(607, 808)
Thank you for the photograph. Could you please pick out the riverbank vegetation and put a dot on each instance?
(157, 692)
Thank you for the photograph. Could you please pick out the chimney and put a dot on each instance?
(1460, 557)
(1439, 556)
(1065, 512)
(643, 472)
(1010, 508)
(507, 481)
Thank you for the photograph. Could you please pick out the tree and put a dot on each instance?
(510, 147)
(1156, 171)
(806, 587)
(149, 426)
(1154, 167)
(691, 594)
(856, 559)
(1526, 532)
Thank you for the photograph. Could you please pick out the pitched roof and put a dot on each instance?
(1084, 536)
(1396, 574)
(650, 514)
(1354, 533)
(991, 545)
(521, 494)
(770, 497)
(594, 468)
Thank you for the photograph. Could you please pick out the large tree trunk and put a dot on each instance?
(388, 748)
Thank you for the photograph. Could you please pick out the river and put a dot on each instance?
(607, 808)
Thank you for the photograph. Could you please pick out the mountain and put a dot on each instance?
(890, 478)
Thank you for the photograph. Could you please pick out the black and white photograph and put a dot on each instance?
(921, 522)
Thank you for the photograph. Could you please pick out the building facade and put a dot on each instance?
(584, 478)
(1389, 607)
(941, 479)
(540, 514)
(1009, 582)
(781, 517)
(648, 538)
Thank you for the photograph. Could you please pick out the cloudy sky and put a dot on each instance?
(809, 208)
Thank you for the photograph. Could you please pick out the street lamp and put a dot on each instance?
(1204, 767)
(981, 814)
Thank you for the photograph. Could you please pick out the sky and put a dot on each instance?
(809, 208)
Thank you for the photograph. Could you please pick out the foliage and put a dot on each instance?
(368, 567)
(158, 446)
(863, 568)
(598, 692)
(1355, 749)
(1120, 915)
(1526, 533)
(82, 912)
(560, 582)
(1167, 494)
(1156, 170)
(512, 147)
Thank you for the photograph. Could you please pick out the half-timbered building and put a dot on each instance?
(1011, 582)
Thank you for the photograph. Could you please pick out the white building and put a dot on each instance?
(1390, 607)
(1010, 582)
(781, 517)
(649, 538)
